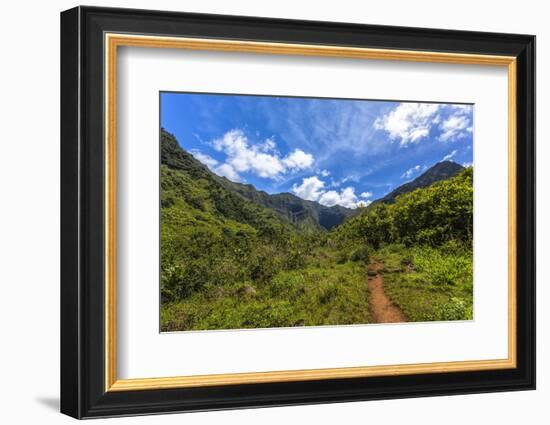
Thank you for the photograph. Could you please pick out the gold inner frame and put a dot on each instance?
(113, 41)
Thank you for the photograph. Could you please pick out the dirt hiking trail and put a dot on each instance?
(382, 310)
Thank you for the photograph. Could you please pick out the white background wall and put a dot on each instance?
(29, 213)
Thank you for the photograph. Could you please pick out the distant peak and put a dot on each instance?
(440, 171)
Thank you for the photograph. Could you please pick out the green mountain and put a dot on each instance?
(211, 236)
(300, 212)
(303, 214)
(441, 171)
(185, 179)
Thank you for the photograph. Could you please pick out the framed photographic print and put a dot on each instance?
(261, 212)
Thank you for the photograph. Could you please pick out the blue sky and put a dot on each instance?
(333, 151)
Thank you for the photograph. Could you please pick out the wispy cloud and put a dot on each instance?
(410, 172)
(457, 125)
(204, 158)
(224, 170)
(277, 142)
(326, 126)
(449, 155)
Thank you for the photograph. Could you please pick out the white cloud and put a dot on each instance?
(226, 170)
(449, 156)
(329, 198)
(310, 189)
(362, 204)
(412, 122)
(366, 195)
(298, 160)
(324, 173)
(205, 159)
(409, 122)
(409, 173)
(262, 159)
(455, 127)
(346, 198)
(466, 109)
(313, 189)
(267, 146)
(467, 164)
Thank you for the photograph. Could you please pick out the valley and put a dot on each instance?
(233, 257)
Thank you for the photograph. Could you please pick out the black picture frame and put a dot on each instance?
(83, 392)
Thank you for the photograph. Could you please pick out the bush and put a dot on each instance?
(295, 259)
(342, 257)
(455, 309)
(264, 264)
(286, 283)
(328, 293)
(361, 253)
(431, 216)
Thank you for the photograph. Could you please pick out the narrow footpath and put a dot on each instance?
(382, 310)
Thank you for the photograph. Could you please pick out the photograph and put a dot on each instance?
(281, 212)
(284, 210)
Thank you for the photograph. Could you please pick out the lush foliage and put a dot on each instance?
(227, 261)
(424, 240)
(329, 294)
(431, 216)
(429, 283)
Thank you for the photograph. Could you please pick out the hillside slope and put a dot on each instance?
(185, 179)
(210, 235)
(303, 214)
(228, 263)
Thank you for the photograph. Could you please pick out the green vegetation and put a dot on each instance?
(432, 216)
(327, 295)
(228, 261)
(424, 241)
(429, 283)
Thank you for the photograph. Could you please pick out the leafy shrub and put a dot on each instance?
(361, 253)
(286, 283)
(455, 309)
(328, 293)
(264, 264)
(341, 257)
(295, 259)
(430, 216)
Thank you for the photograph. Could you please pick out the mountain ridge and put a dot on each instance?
(302, 214)
(442, 170)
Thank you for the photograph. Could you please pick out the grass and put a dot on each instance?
(429, 284)
(323, 292)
